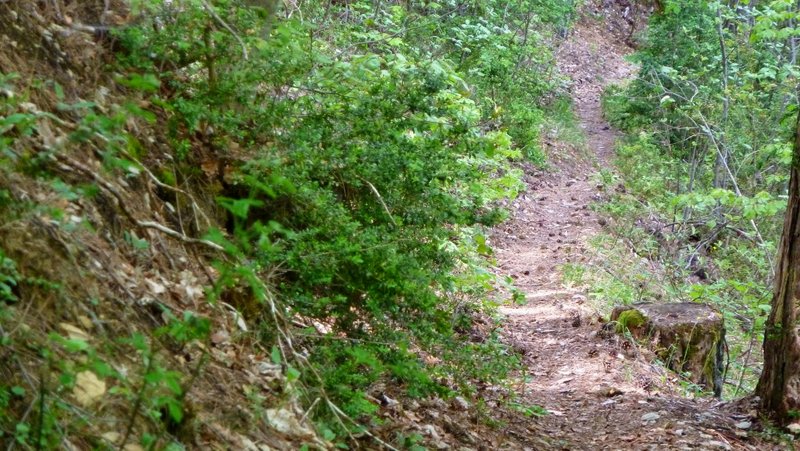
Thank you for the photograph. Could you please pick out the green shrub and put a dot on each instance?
(361, 160)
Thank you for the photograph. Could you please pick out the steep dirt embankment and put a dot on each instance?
(601, 393)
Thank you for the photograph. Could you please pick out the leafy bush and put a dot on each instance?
(706, 161)
(356, 162)
(346, 157)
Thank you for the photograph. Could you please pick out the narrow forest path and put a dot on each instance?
(601, 394)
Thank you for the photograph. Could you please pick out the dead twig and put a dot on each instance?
(380, 199)
(69, 164)
(223, 24)
(174, 189)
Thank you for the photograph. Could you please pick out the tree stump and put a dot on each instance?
(688, 337)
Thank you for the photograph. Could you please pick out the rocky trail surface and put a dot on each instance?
(600, 391)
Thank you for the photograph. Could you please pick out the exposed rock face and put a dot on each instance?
(689, 337)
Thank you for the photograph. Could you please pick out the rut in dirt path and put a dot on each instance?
(552, 220)
(599, 393)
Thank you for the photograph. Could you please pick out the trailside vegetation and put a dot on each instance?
(705, 165)
(330, 166)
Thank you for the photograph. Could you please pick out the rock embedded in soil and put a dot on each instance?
(716, 444)
(652, 416)
(459, 403)
(688, 336)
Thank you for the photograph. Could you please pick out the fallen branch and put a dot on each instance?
(380, 199)
(224, 25)
(175, 234)
(68, 163)
(175, 189)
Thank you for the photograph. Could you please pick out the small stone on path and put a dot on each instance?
(716, 444)
(460, 403)
(652, 416)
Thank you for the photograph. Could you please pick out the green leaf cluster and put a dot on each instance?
(359, 151)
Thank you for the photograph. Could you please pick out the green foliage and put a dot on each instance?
(529, 410)
(630, 319)
(361, 150)
(573, 274)
(412, 442)
(9, 278)
(366, 154)
(705, 165)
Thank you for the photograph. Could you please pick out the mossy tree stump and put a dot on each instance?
(688, 337)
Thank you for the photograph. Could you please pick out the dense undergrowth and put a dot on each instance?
(699, 199)
(336, 161)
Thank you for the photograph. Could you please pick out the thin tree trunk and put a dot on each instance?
(779, 385)
(722, 157)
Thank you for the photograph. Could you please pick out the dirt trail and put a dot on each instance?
(601, 393)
